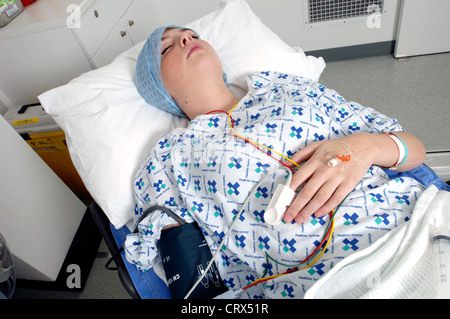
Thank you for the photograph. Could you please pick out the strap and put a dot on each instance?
(177, 218)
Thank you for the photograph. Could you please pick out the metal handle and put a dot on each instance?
(123, 33)
(131, 23)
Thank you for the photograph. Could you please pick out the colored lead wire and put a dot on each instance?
(295, 268)
(253, 142)
(329, 232)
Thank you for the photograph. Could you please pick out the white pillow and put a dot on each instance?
(246, 45)
(110, 128)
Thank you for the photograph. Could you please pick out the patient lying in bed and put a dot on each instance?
(332, 152)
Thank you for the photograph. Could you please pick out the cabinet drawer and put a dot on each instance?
(98, 21)
(117, 42)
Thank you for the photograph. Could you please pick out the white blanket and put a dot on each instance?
(399, 265)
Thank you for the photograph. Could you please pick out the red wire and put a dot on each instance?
(284, 164)
(306, 259)
(250, 142)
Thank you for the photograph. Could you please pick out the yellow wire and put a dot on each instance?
(307, 266)
(324, 248)
(288, 159)
(234, 131)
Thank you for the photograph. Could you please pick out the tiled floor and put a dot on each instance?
(416, 92)
(101, 284)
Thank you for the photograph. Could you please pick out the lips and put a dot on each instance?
(194, 48)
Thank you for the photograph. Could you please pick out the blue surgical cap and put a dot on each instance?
(149, 80)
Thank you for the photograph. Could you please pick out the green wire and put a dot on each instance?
(266, 270)
(303, 262)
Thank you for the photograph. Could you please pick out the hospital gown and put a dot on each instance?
(204, 173)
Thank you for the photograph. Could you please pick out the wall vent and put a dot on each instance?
(319, 11)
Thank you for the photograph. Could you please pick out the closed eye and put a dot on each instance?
(165, 50)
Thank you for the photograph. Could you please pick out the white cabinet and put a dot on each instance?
(98, 21)
(39, 51)
(108, 28)
(140, 20)
(117, 41)
(37, 62)
(423, 28)
(39, 214)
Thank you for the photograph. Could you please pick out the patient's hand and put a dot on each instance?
(325, 187)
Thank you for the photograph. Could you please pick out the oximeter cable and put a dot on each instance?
(236, 217)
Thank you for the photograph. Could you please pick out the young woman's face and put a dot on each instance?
(187, 62)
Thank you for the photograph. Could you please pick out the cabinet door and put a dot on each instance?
(117, 42)
(140, 20)
(38, 62)
(98, 21)
(423, 28)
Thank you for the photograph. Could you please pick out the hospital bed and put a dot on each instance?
(107, 122)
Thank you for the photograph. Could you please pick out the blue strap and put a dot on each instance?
(423, 174)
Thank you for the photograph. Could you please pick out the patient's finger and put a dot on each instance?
(315, 180)
(336, 199)
(305, 153)
(313, 168)
(320, 199)
(301, 176)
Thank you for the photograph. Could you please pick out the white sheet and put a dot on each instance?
(399, 265)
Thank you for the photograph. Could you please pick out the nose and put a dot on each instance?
(185, 38)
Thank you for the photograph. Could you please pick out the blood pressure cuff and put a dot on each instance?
(185, 256)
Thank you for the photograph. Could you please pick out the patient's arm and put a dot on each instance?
(325, 187)
(170, 226)
(386, 146)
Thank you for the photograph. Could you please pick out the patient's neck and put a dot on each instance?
(212, 98)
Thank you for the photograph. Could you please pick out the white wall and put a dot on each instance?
(287, 18)
(180, 12)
